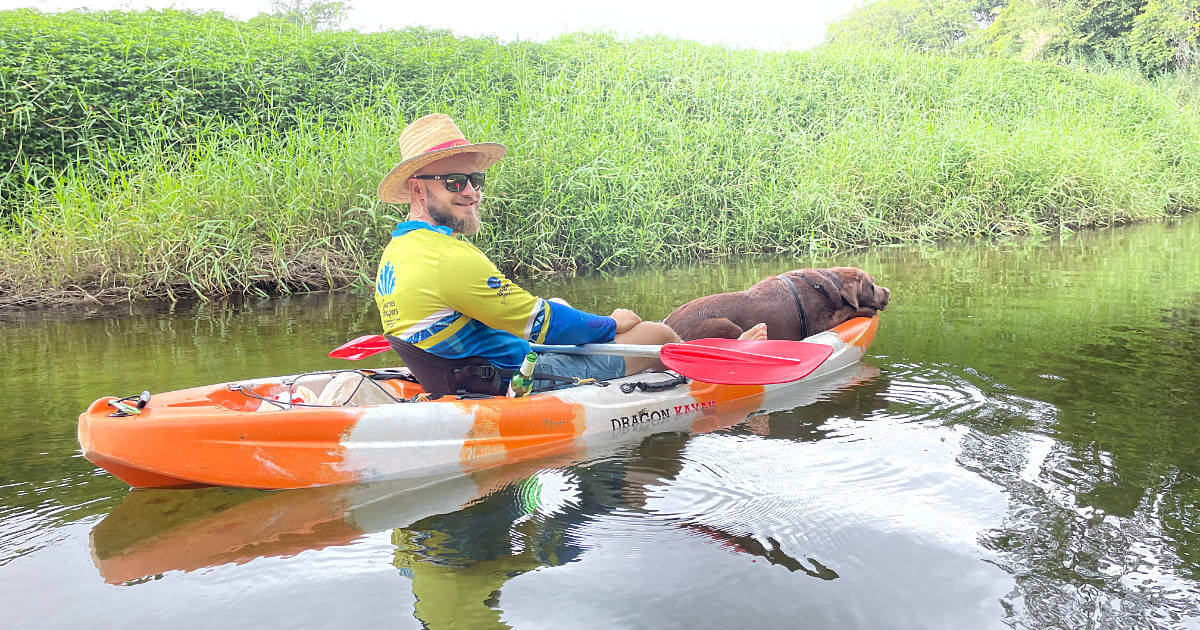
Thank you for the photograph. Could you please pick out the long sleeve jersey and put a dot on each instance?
(444, 296)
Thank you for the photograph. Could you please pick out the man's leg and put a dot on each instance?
(657, 334)
(646, 333)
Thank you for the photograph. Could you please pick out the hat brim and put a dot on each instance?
(394, 187)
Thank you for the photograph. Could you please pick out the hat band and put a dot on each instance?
(446, 145)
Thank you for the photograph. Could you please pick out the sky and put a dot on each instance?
(761, 24)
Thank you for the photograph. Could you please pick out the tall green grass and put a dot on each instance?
(80, 83)
(628, 153)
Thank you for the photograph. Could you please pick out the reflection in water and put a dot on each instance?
(1026, 456)
(1111, 488)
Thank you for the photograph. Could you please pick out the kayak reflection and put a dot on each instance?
(459, 537)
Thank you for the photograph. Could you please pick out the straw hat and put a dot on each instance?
(428, 139)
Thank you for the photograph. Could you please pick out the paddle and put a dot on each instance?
(722, 361)
(361, 348)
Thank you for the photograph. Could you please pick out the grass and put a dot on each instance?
(626, 153)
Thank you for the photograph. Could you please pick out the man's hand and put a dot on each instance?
(625, 319)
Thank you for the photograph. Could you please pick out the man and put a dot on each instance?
(446, 308)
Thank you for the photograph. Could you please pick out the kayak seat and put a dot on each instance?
(439, 375)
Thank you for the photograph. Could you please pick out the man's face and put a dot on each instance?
(458, 211)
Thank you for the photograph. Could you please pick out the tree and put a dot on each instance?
(1161, 35)
(1060, 30)
(315, 14)
(925, 25)
(1166, 35)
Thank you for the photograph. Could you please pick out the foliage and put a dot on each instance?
(1160, 35)
(1059, 30)
(919, 25)
(622, 153)
(1167, 34)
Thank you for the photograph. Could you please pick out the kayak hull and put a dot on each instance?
(275, 433)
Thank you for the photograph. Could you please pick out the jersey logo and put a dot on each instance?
(387, 280)
(493, 282)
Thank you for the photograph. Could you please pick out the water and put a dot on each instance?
(1020, 449)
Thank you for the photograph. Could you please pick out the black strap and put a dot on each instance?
(821, 287)
(655, 386)
(489, 371)
(799, 309)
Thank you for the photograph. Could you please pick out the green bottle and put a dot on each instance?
(522, 382)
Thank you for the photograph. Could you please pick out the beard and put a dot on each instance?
(467, 225)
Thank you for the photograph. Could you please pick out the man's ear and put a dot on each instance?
(414, 188)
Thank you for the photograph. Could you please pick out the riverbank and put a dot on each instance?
(622, 153)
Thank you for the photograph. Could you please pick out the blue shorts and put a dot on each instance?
(601, 367)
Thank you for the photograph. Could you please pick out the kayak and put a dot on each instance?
(351, 426)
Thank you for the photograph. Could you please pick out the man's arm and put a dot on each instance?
(474, 287)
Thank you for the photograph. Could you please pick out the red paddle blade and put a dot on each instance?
(734, 362)
(361, 347)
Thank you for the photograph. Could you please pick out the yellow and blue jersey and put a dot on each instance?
(444, 296)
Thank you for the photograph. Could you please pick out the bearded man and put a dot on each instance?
(448, 311)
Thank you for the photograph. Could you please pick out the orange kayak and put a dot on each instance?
(352, 426)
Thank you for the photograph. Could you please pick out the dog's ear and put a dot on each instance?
(850, 287)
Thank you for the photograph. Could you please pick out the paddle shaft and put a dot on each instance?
(611, 349)
(368, 345)
(724, 361)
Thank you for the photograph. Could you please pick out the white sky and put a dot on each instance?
(762, 24)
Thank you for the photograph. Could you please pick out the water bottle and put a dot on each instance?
(522, 382)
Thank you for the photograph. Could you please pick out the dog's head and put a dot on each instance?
(847, 287)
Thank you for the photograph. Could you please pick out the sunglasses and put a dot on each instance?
(457, 181)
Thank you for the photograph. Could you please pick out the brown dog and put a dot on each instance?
(793, 305)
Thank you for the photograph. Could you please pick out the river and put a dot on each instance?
(1020, 448)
